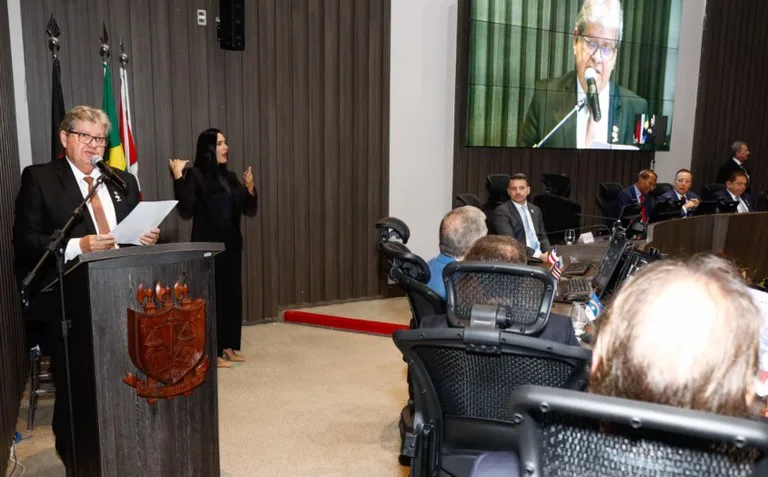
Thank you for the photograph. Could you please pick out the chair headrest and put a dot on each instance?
(497, 184)
(662, 188)
(610, 189)
(558, 184)
(392, 227)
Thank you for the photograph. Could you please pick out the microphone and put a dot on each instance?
(98, 161)
(593, 98)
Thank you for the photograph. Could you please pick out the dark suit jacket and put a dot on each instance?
(746, 198)
(559, 328)
(672, 195)
(553, 99)
(726, 169)
(507, 221)
(203, 199)
(628, 197)
(48, 195)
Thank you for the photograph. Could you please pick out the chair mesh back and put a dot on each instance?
(523, 295)
(579, 446)
(478, 385)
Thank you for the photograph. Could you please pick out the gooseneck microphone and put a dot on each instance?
(593, 97)
(98, 161)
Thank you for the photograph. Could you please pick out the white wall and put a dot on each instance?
(20, 85)
(686, 91)
(422, 88)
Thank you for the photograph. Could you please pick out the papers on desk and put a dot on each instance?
(146, 216)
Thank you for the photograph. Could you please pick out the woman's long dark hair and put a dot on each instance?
(205, 158)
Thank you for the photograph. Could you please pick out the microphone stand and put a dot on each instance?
(55, 247)
(580, 104)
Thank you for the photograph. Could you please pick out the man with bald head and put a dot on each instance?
(638, 193)
(597, 35)
(684, 334)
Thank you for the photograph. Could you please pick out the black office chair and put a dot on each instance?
(662, 188)
(559, 214)
(462, 380)
(567, 433)
(392, 228)
(468, 199)
(496, 185)
(524, 293)
(557, 184)
(607, 192)
(709, 191)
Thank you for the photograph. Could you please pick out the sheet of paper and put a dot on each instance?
(147, 215)
(616, 147)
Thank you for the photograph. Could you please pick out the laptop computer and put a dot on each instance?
(578, 289)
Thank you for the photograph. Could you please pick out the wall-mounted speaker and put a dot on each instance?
(232, 24)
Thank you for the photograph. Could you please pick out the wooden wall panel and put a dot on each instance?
(732, 99)
(13, 356)
(586, 168)
(305, 105)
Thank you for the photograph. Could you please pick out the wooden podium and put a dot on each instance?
(144, 389)
(739, 237)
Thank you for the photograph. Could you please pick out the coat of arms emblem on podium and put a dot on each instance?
(166, 342)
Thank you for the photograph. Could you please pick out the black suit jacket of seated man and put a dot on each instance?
(559, 328)
(554, 98)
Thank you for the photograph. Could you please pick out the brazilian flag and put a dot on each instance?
(115, 156)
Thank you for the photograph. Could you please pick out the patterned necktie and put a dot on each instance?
(643, 214)
(530, 232)
(98, 211)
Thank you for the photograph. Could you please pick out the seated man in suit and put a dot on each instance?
(597, 34)
(682, 191)
(683, 334)
(735, 190)
(503, 249)
(638, 193)
(458, 231)
(522, 220)
(739, 155)
(49, 193)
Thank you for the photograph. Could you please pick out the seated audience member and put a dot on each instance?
(681, 334)
(637, 193)
(522, 220)
(458, 231)
(735, 190)
(682, 191)
(739, 155)
(503, 249)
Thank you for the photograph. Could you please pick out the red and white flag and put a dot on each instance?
(557, 264)
(126, 135)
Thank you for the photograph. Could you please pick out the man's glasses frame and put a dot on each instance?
(86, 138)
(592, 46)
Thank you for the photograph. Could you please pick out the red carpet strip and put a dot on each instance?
(342, 323)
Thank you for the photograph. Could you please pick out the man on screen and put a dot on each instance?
(596, 39)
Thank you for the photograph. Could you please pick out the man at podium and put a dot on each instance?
(48, 195)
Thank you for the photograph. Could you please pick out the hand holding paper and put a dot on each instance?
(140, 227)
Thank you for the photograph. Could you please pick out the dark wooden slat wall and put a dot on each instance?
(13, 358)
(732, 99)
(586, 168)
(306, 105)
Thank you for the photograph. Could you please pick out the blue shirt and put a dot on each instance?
(436, 266)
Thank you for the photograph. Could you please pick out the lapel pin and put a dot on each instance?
(117, 196)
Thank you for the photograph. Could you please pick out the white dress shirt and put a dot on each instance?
(525, 214)
(582, 117)
(73, 246)
(742, 207)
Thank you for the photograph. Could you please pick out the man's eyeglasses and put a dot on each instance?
(86, 138)
(592, 46)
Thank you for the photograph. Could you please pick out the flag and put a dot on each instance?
(126, 134)
(594, 307)
(557, 264)
(114, 153)
(57, 110)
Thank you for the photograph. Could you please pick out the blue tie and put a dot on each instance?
(530, 233)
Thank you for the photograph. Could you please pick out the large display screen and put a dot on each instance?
(609, 64)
